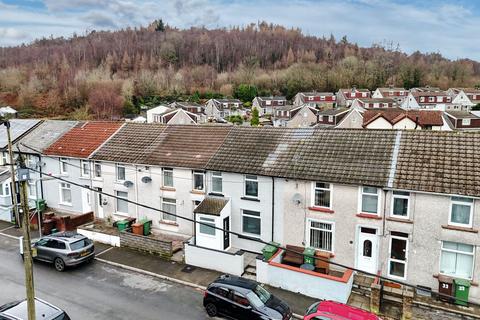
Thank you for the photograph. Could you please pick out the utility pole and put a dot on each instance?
(23, 177)
(12, 174)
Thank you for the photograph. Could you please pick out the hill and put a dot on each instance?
(106, 74)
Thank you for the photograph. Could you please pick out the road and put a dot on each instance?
(98, 291)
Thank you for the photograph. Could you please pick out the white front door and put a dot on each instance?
(367, 250)
(86, 200)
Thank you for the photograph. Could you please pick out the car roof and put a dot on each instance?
(236, 281)
(66, 236)
(18, 310)
(343, 310)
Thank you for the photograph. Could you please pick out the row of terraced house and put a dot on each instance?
(400, 203)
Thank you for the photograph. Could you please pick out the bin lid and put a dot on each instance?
(462, 282)
(445, 279)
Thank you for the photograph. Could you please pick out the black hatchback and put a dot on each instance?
(240, 298)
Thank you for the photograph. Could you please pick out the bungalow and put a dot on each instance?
(397, 94)
(331, 117)
(267, 105)
(319, 100)
(192, 107)
(345, 97)
(465, 97)
(155, 114)
(397, 118)
(463, 120)
(438, 100)
(217, 109)
(369, 103)
(425, 89)
(8, 112)
(295, 117)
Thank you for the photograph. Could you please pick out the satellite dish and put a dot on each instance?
(146, 179)
(128, 184)
(297, 199)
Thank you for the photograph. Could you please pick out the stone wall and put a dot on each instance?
(147, 244)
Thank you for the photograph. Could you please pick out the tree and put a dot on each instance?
(159, 26)
(255, 121)
(235, 119)
(105, 101)
(476, 107)
(245, 92)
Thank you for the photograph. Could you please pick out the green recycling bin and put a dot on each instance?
(147, 225)
(40, 204)
(462, 287)
(122, 225)
(309, 255)
(269, 250)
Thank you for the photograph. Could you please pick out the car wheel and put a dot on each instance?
(211, 309)
(59, 264)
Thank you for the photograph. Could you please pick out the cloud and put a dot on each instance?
(13, 34)
(99, 19)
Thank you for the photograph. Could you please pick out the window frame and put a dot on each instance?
(116, 203)
(466, 122)
(457, 252)
(197, 173)
(390, 259)
(459, 202)
(63, 186)
(97, 164)
(63, 165)
(332, 231)
(259, 218)
(392, 205)
(245, 179)
(82, 169)
(171, 201)
(167, 170)
(117, 166)
(329, 189)
(217, 175)
(4, 158)
(211, 223)
(360, 200)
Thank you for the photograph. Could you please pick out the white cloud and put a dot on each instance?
(13, 34)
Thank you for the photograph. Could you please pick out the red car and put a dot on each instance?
(331, 310)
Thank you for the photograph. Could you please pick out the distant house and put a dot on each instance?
(267, 105)
(320, 100)
(216, 109)
(8, 112)
(398, 118)
(395, 93)
(295, 117)
(154, 114)
(425, 89)
(465, 97)
(463, 120)
(373, 103)
(345, 97)
(331, 117)
(177, 116)
(192, 107)
(438, 100)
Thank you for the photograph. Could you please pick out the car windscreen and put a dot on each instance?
(259, 296)
(63, 316)
(77, 245)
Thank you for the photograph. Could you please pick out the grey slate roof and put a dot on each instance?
(5, 173)
(439, 161)
(44, 135)
(18, 128)
(342, 156)
(211, 205)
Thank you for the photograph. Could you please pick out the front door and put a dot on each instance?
(99, 197)
(398, 253)
(367, 250)
(226, 235)
(86, 201)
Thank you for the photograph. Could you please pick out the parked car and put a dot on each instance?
(63, 249)
(331, 310)
(43, 310)
(240, 298)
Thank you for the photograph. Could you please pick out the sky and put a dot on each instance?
(449, 27)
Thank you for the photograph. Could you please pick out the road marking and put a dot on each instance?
(102, 252)
(9, 236)
(7, 228)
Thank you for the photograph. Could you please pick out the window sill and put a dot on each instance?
(249, 237)
(168, 189)
(326, 210)
(465, 229)
(368, 216)
(250, 199)
(217, 194)
(197, 192)
(65, 204)
(168, 223)
(84, 178)
(122, 214)
(399, 220)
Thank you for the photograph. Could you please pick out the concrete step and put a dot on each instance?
(249, 276)
(251, 270)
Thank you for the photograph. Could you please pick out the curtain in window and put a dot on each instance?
(169, 205)
(400, 206)
(369, 203)
(460, 213)
(251, 222)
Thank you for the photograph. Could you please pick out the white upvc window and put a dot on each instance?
(466, 122)
(65, 193)
(217, 182)
(369, 200)
(84, 168)
(198, 180)
(330, 118)
(251, 223)
(167, 177)
(457, 260)
(251, 186)
(5, 190)
(120, 172)
(170, 208)
(63, 165)
(121, 206)
(322, 195)
(400, 204)
(207, 227)
(422, 99)
(320, 235)
(461, 212)
(268, 102)
(32, 192)
(97, 167)
(431, 99)
(4, 158)
(322, 98)
(364, 94)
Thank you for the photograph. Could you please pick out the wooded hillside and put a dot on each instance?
(113, 73)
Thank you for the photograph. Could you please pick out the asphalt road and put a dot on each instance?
(98, 291)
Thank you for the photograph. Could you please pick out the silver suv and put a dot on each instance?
(43, 310)
(63, 249)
